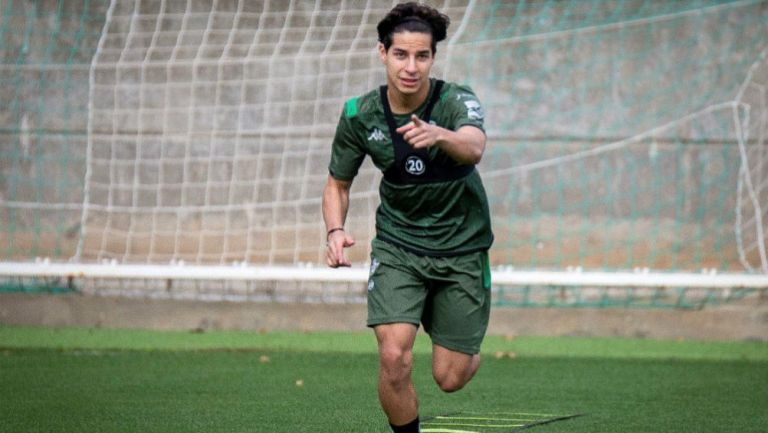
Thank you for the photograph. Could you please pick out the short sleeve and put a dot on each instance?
(464, 108)
(346, 154)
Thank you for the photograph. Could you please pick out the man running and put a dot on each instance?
(429, 259)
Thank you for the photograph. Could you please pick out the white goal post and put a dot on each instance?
(707, 279)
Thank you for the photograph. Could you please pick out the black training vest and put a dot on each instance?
(413, 165)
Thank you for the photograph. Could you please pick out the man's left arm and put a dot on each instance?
(466, 145)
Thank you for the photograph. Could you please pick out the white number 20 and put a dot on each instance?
(414, 165)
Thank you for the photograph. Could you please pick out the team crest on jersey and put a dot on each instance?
(415, 165)
(474, 110)
(377, 135)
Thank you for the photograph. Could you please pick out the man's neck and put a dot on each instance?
(401, 103)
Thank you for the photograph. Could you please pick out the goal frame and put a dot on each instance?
(707, 279)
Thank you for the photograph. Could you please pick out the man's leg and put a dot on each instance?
(456, 317)
(452, 370)
(396, 391)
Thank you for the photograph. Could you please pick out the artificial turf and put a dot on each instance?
(78, 380)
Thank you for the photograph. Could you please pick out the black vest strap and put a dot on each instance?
(413, 165)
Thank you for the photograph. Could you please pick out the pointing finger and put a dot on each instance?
(405, 128)
(416, 121)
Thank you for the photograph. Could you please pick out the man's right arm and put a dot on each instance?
(335, 206)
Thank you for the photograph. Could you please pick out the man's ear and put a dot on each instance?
(382, 53)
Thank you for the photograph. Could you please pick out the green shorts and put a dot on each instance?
(450, 296)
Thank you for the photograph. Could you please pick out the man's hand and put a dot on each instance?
(465, 145)
(334, 250)
(420, 134)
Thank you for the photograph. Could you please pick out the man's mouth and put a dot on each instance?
(409, 82)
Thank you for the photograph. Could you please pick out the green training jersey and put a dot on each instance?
(441, 218)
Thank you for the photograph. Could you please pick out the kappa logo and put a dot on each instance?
(377, 135)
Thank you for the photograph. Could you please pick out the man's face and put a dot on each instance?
(408, 62)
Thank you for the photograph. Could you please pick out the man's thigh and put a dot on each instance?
(396, 290)
(458, 307)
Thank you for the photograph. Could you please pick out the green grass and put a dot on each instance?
(79, 380)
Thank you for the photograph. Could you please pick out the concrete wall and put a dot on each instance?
(734, 322)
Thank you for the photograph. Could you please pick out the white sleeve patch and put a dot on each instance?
(474, 110)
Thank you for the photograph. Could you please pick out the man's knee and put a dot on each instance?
(449, 382)
(453, 376)
(396, 363)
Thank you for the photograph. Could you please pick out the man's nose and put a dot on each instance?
(411, 66)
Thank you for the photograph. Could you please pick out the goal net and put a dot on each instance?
(622, 136)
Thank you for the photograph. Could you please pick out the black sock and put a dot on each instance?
(411, 427)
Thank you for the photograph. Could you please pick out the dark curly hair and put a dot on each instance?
(413, 17)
